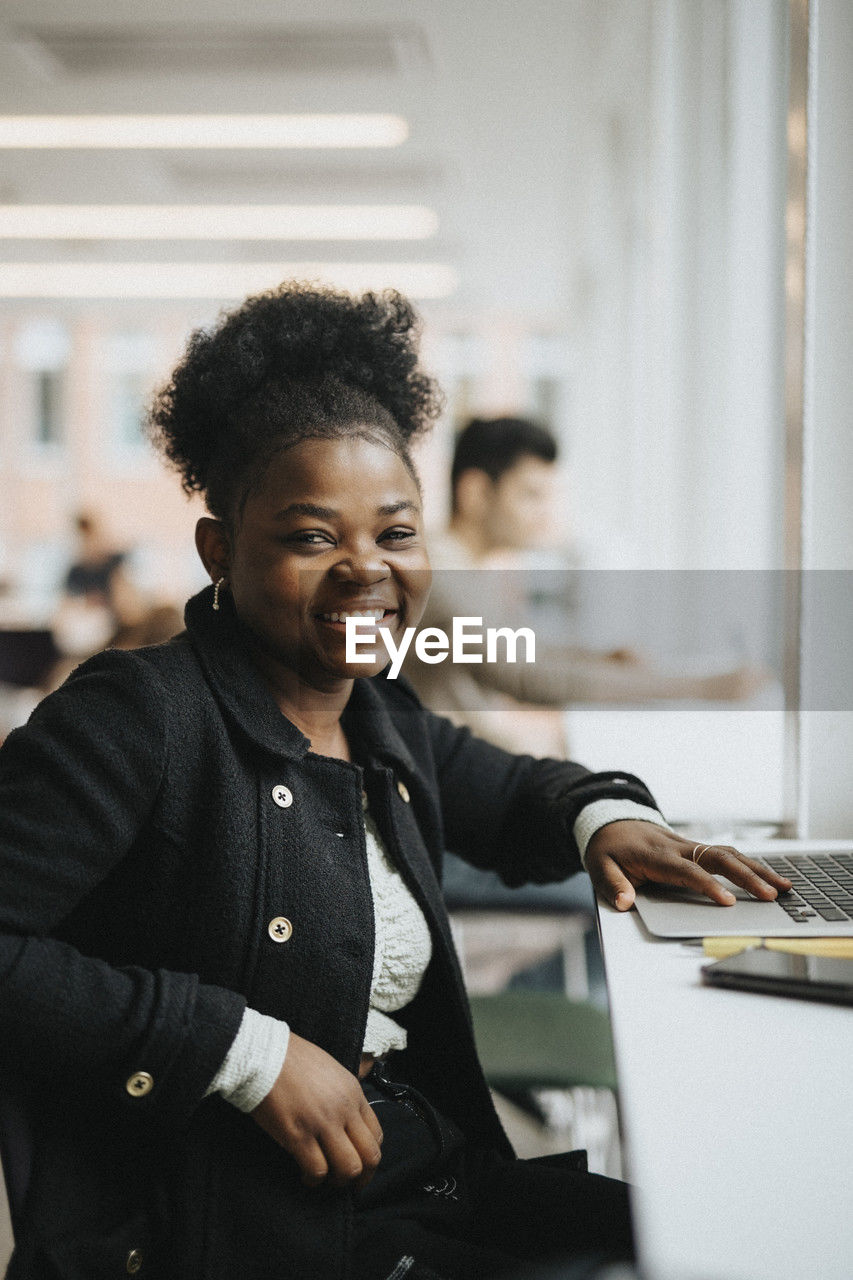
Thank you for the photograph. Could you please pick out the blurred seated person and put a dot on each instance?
(101, 607)
(502, 505)
(99, 596)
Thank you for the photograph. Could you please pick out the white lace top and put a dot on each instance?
(403, 947)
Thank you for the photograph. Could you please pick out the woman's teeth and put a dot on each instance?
(375, 614)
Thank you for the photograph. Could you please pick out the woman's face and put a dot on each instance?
(335, 528)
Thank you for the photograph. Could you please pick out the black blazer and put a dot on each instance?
(142, 859)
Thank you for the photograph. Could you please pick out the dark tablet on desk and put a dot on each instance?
(782, 974)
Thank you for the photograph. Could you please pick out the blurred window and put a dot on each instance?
(42, 350)
(130, 364)
(547, 364)
(50, 397)
(462, 361)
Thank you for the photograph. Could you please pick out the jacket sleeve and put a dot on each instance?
(77, 784)
(513, 814)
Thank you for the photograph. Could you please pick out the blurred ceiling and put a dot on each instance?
(507, 105)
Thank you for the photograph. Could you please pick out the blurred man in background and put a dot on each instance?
(503, 506)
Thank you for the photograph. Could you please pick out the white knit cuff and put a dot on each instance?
(252, 1064)
(602, 812)
(382, 1034)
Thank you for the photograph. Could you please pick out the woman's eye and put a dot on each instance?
(397, 535)
(309, 538)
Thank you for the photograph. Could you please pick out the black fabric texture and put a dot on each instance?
(464, 1213)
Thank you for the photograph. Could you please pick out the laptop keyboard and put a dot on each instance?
(823, 886)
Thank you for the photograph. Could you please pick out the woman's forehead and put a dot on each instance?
(340, 470)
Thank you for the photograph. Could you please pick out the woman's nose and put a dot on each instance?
(363, 566)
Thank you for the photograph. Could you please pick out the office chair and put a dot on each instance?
(540, 1040)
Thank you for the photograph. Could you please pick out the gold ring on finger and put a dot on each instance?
(697, 858)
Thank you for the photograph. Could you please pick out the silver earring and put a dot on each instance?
(216, 587)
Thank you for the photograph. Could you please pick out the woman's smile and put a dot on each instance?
(377, 614)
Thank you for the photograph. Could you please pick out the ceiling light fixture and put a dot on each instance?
(216, 222)
(219, 280)
(190, 131)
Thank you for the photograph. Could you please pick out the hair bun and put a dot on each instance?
(287, 359)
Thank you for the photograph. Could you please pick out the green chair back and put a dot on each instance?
(541, 1040)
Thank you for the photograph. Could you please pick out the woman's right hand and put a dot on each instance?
(318, 1113)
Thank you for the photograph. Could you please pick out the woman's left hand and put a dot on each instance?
(626, 854)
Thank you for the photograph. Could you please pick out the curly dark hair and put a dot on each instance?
(295, 363)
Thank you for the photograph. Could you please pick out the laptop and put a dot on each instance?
(819, 905)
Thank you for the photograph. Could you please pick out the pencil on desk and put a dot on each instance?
(721, 948)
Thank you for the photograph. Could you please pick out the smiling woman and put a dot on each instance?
(295, 418)
(226, 969)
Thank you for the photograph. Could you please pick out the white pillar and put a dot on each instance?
(708, 432)
(826, 747)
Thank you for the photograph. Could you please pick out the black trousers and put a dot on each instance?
(438, 1209)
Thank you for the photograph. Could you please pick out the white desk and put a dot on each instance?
(737, 1112)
